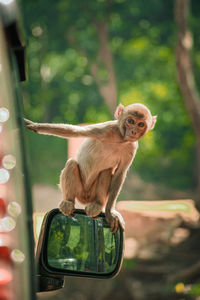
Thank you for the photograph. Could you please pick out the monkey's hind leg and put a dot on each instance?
(94, 208)
(71, 187)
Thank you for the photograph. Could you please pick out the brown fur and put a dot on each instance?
(96, 176)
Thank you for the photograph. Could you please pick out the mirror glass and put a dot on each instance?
(84, 245)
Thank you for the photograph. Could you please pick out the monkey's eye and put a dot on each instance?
(141, 124)
(130, 121)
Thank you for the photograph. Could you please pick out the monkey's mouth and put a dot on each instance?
(130, 138)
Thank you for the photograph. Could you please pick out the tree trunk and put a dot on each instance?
(107, 89)
(107, 86)
(186, 77)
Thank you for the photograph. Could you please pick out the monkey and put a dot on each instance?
(96, 176)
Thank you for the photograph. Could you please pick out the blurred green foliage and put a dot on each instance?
(195, 290)
(62, 43)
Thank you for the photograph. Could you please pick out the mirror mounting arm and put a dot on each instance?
(47, 283)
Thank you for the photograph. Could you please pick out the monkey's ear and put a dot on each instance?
(154, 119)
(118, 111)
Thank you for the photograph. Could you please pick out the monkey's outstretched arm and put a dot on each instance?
(67, 130)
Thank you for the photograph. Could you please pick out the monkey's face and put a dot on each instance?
(134, 127)
(134, 121)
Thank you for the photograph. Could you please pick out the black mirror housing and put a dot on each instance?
(78, 246)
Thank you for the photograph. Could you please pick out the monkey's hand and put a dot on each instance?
(31, 125)
(114, 218)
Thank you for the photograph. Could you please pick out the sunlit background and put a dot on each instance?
(84, 58)
(68, 72)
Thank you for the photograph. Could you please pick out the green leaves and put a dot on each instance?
(63, 45)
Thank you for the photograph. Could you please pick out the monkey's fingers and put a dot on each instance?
(111, 221)
(120, 219)
(114, 219)
(31, 125)
(114, 226)
(28, 122)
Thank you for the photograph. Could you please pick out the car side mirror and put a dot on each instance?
(77, 246)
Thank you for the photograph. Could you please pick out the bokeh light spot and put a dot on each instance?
(8, 223)
(4, 175)
(17, 256)
(179, 287)
(4, 114)
(159, 89)
(9, 161)
(14, 209)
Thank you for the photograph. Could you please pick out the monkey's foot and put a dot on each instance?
(67, 208)
(114, 218)
(93, 209)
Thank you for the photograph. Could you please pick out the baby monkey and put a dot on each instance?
(97, 174)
